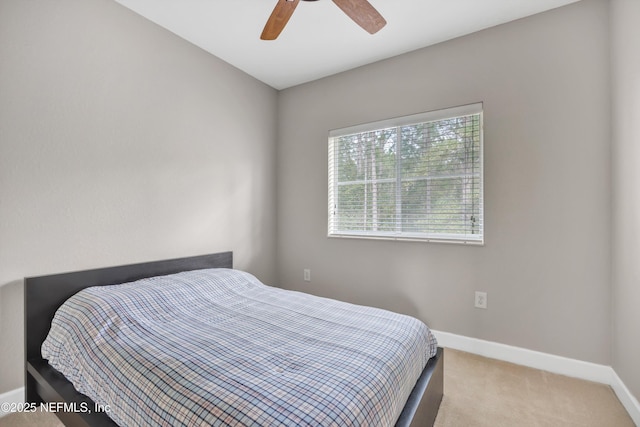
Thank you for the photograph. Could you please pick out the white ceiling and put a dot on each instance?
(320, 39)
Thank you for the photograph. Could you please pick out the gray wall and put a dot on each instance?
(625, 56)
(119, 143)
(546, 264)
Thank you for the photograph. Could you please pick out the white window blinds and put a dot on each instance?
(417, 177)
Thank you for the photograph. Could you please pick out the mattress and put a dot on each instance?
(217, 347)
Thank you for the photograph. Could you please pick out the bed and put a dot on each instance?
(45, 294)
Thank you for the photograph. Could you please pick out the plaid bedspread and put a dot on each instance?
(219, 348)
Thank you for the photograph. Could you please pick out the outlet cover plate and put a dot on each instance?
(481, 300)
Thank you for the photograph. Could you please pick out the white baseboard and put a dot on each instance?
(522, 356)
(14, 396)
(546, 362)
(627, 399)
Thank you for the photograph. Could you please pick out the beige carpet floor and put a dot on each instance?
(486, 392)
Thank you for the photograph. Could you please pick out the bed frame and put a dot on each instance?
(43, 384)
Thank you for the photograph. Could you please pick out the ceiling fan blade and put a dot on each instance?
(278, 19)
(363, 14)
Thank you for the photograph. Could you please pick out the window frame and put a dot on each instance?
(398, 122)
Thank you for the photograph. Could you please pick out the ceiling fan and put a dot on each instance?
(360, 11)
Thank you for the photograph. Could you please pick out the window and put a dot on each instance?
(415, 178)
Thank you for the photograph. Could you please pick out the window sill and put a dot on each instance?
(444, 239)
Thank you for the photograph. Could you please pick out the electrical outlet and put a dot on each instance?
(481, 300)
(307, 275)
